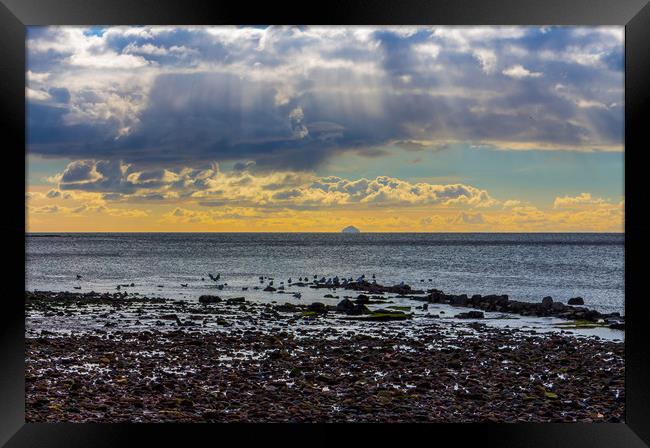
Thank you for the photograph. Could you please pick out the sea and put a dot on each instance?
(526, 266)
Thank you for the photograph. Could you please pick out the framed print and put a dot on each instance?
(402, 214)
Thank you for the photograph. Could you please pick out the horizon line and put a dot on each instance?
(334, 232)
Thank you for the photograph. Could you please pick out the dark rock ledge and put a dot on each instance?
(500, 303)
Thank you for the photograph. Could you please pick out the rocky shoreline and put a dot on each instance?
(350, 305)
(500, 303)
(144, 359)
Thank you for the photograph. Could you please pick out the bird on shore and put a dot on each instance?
(78, 277)
(297, 295)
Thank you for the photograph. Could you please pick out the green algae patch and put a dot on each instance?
(399, 308)
(579, 324)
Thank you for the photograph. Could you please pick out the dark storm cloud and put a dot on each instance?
(289, 98)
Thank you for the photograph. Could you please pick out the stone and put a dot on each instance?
(576, 301)
(547, 302)
(557, 306)
(362, 298)
(317, 307)
(459, 300)
(345, 305)
(209, 299)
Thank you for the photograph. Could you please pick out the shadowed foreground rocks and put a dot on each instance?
(322, 375)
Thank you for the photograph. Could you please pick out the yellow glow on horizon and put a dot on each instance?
(87, 213)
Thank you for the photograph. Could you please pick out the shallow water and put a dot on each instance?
(524, 266)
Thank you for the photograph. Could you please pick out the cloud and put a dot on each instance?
(36, 95)
(295, 97)
(209, 186)
(47, 209)
(467, 218)
(518, 71)
(573, 201)
(487, 58)
(86, 210)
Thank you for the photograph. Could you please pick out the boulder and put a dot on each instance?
(317, 307)
(287, 307)
(269, 289)
(547, 302)
(209, 299)
(576, 301)
(557, 306)
(436, 296)
(358, 310)
(235, 300)
(345, 305)
(459, 300)
(516, 306)
(592, 315)
(362, 298)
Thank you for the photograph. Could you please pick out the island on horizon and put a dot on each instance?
(350, 229)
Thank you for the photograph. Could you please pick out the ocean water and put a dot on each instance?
(524, 266)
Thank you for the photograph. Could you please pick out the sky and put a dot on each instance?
(312, 129)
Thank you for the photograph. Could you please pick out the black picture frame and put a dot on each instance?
(15, 15)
